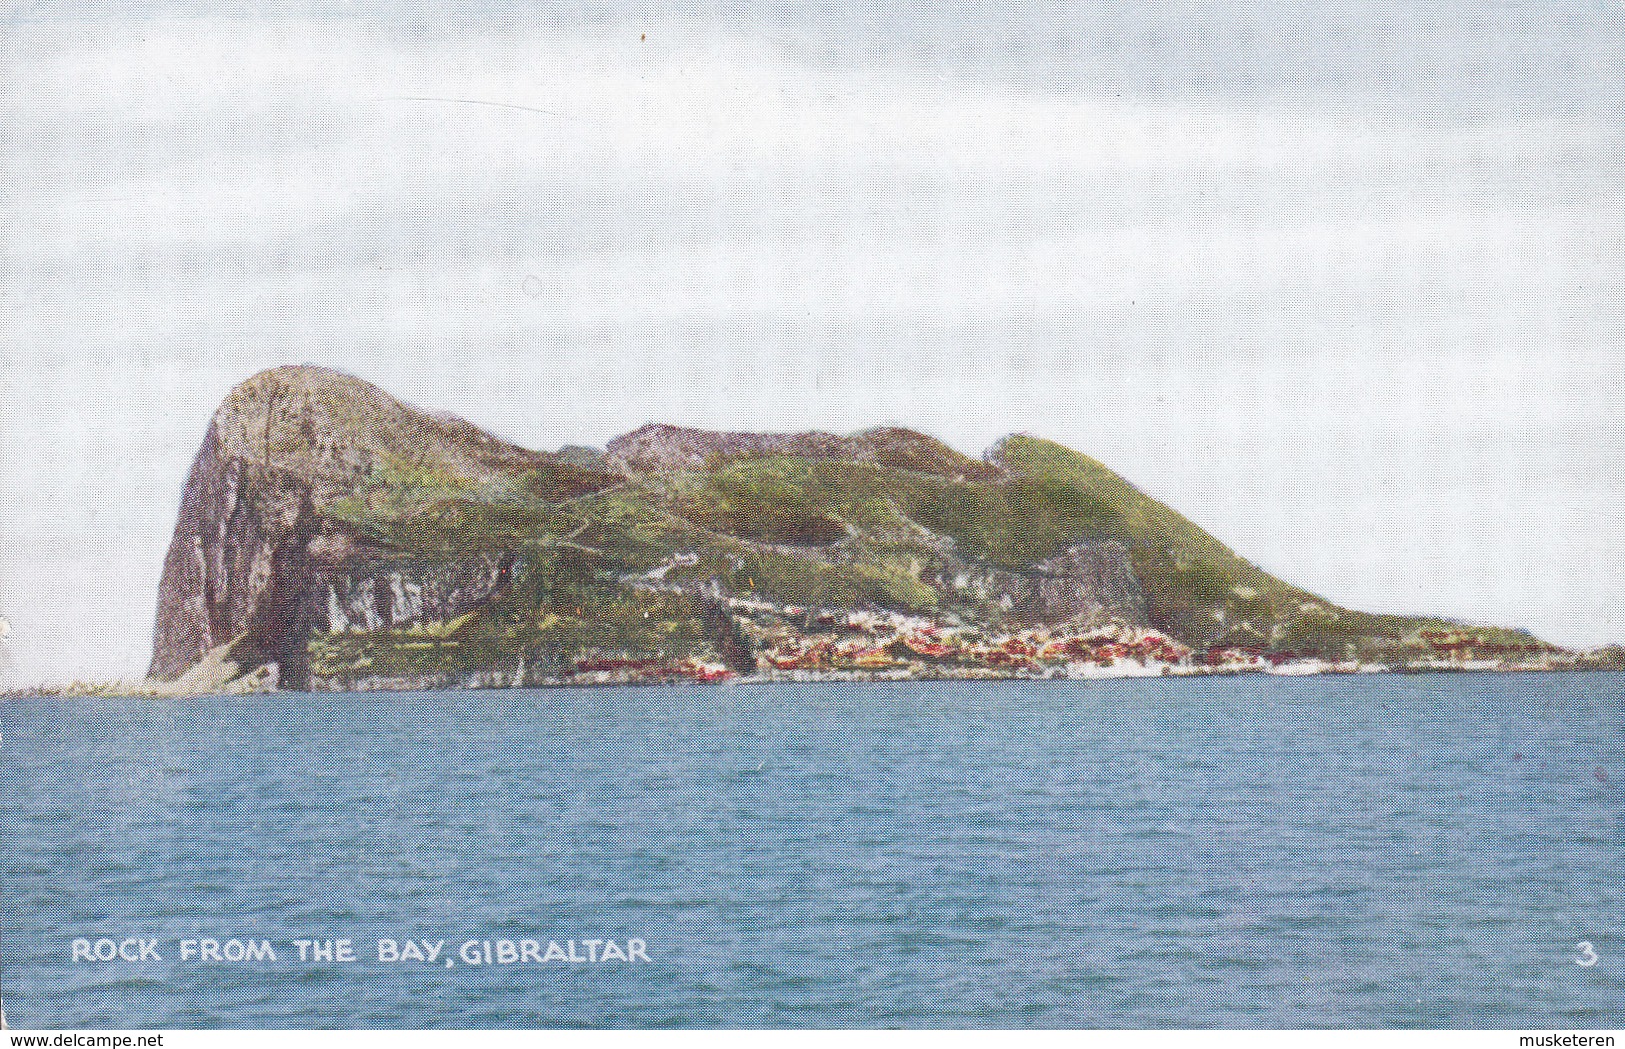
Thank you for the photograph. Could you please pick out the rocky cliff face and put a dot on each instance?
(1089, 584)
(659, 448)
(237, 546)
(254, 560)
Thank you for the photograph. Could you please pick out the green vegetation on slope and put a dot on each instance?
(1200, 590)
(812, 532)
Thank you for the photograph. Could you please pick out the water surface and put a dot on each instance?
(1335, 851)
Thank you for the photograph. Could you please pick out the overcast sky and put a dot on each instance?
(1341, 282)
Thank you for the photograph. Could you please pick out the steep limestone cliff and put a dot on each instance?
(254, 557)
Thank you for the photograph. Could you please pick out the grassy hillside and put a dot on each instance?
(1200, 590)
(820, 532)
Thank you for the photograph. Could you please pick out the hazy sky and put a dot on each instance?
(1341, 281)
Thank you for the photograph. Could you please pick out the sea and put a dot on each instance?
(1340, 851)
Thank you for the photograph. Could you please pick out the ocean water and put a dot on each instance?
(1340, 851)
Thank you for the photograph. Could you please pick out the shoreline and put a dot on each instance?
(168, 690)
